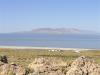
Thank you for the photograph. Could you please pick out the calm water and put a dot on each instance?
(41, 40)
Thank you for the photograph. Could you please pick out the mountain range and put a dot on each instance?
(59, 31)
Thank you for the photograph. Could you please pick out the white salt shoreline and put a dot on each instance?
(45, 48)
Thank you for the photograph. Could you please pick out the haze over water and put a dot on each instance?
(25, 15)
(45, 40)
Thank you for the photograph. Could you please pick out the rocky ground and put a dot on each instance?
(51, 66)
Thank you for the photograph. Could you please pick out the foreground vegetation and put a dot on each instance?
(24, 57)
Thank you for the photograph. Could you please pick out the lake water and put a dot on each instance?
(44, 40)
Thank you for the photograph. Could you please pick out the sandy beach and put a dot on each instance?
(45, 48)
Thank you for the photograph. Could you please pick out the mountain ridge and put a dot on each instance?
(59, 31)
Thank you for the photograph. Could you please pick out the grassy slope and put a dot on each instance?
(24, 57)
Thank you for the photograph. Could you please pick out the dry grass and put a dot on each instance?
(24, 57)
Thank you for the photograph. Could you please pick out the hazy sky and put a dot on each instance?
(20, 15)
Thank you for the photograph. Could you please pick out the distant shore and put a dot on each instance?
(45, 48)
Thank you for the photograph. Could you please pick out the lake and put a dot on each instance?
(50, 40)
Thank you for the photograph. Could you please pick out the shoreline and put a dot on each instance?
(46, 48)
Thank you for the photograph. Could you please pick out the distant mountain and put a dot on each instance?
(59, 31)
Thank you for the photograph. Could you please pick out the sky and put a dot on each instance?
(24, 15)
